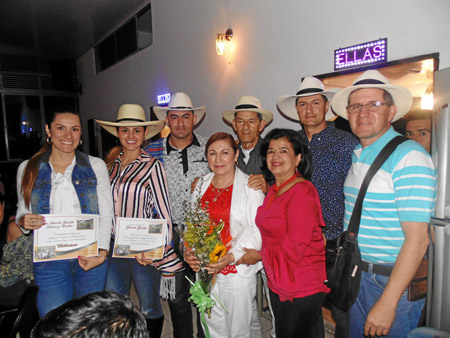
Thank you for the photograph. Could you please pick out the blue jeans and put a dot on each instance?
(407, 314)
(146, 281)
(61, 281)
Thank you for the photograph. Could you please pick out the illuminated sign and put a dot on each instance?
(164, 98)
(361, 55)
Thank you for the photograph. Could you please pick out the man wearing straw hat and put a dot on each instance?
(331, 151)
(393, 233)
(249, 119)
(183, 156)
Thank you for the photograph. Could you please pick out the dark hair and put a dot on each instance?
(31, 170)
(305, 165)
(104, 314)
(219, 137)
(325, 99)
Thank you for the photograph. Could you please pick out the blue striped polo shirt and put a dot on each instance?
(403, 189)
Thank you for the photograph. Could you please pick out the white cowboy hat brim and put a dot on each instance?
(267, 115)
(153, 127)
(402, 99)
(161, 112)
(286, 104)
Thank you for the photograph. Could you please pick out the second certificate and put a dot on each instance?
(135, 236)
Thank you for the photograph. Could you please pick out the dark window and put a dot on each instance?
(129, 38)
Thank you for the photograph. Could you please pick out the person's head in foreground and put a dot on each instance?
(100, 314)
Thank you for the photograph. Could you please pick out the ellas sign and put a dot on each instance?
(361, 55)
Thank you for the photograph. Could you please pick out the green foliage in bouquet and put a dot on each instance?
(202, 236)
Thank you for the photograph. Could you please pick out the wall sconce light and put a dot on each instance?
(222, 41)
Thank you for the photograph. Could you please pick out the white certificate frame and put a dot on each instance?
(66, 237)
(137, 236)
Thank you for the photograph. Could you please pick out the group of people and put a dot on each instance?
(284, 200)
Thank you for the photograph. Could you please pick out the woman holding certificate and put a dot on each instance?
(227, 197)
(61, 180)
(139, 189)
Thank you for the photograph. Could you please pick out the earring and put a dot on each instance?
(81, 142)
(49, 140)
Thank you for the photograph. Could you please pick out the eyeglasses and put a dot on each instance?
(372, 106)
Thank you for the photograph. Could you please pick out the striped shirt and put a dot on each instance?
(403, 190)
(140, 191)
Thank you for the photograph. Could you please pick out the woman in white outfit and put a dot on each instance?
(229, 199)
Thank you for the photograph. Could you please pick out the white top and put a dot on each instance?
(244, 205)
(246, 153)
(64, 199)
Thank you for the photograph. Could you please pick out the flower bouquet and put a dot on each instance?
(202, 236)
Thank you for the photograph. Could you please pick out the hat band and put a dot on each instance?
(246, 106)
(181, 107)
(309, 90)
(368, 81)
(130, 120)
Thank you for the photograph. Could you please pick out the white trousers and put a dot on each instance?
(239, 296)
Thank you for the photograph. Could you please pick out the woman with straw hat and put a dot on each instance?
(139, 189)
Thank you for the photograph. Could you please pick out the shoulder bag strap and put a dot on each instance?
(377, 163)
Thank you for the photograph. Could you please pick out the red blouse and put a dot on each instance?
(219, 206)
(293, 251)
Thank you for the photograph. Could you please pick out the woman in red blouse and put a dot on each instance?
(229, 199)
(290, 222)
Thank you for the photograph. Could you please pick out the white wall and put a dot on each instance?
(275, 44)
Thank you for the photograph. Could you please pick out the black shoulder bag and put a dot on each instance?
(345, 275)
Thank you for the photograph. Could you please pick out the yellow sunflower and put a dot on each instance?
(219, 251)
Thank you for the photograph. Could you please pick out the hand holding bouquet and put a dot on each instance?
(204, 250)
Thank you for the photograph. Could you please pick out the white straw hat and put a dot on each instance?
(374, 79)
(310, 86)
(179, 102)
(132, 115)
(248, 103)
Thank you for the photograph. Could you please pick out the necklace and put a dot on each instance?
(276, 189)
(220, 191)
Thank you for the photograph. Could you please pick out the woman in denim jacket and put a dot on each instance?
(61, 180)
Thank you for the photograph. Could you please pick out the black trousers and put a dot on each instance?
(300, 318)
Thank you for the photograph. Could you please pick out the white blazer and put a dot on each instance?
(244, 205)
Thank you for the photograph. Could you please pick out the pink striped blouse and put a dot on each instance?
(140, 191)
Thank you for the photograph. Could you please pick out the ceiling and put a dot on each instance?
(60, 29)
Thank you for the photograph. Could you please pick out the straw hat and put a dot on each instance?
(374, 79)
(248, 103)
(132, 115)
(179, 102)
(310, 86)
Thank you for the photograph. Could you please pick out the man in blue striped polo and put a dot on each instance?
(393, 233)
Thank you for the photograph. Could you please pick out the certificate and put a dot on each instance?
(66, 237)
(137, 236)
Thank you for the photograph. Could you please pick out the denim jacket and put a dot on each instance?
(83, 178)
